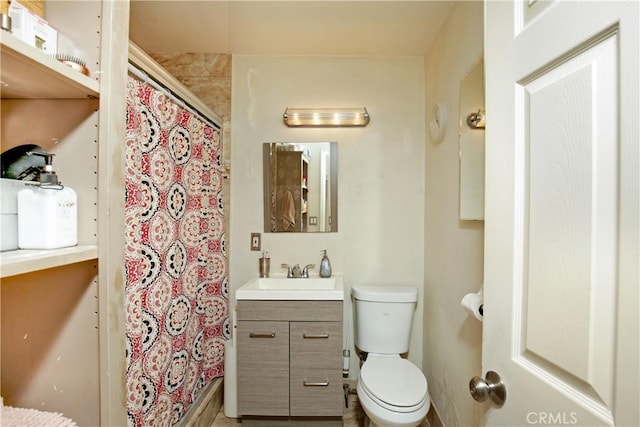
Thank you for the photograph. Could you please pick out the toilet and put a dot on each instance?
(392, 390)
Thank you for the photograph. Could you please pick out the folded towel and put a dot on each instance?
(288, 211)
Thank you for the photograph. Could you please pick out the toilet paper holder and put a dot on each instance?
(474, 304)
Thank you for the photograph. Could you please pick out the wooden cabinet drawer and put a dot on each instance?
(316, 345)
(316, 393)
(291, 311)
(263, 368)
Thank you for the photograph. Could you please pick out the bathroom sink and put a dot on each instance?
(283, 288)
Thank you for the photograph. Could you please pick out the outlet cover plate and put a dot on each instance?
(255, 241)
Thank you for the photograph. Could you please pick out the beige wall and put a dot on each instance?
(208, 75)
(381, 168)
(453, 249)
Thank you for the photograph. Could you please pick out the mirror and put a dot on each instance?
(300, 187)
(472, 118)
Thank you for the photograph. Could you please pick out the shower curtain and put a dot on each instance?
(176, 292)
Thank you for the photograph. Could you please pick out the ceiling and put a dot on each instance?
(295, 27)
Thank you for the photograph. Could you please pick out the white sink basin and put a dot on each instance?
(283, 288)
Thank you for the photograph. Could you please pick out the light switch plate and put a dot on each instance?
(255, 241)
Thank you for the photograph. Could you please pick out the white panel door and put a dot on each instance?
(562, 207)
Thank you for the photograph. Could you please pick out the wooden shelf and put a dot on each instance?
(28, 73)
(26, 261)
(57, 305)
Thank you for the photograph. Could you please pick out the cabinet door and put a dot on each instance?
(316, 369)
(263, 368)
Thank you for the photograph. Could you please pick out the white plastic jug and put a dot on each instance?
(47, 218)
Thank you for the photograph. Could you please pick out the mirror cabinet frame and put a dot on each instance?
(267, 151)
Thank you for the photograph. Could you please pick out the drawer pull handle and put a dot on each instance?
(258, 335)
(305, 335)
(312, 384)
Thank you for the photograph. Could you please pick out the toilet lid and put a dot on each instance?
(394, 381)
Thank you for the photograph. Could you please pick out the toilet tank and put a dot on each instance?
(382, 317)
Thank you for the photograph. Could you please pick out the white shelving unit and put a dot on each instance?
(57, 351)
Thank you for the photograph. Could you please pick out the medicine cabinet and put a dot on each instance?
(300, 187)
(472, 144)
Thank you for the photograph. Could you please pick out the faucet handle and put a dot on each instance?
(289, 270)
(305, 270)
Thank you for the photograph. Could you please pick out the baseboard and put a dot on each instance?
(204, 410)
(433, 417)
(290, 422)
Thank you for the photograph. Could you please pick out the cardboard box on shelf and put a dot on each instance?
(32, 29)
(35, 6)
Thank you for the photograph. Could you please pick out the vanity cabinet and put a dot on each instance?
(289, 358)
(55, 327)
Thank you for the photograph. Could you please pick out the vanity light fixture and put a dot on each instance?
(326, 117)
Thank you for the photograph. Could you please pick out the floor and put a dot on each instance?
(353, 416)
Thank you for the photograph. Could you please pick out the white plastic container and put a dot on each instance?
(47, 212)
(47, 218)
(9, 189)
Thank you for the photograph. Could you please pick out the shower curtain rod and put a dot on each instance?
(146, 69)
(142, 75)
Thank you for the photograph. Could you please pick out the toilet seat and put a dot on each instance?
(393, 383)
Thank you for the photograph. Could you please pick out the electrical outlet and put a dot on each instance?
(255, 241)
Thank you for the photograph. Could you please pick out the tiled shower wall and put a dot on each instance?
(208, 76)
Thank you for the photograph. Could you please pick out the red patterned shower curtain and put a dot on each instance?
(176, 266)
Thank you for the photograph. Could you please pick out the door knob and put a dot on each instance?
(491, 386)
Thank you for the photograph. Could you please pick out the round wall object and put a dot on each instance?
(438, 122)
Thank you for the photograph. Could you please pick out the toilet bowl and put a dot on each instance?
(392, 391)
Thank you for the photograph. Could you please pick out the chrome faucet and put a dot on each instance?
(295, 272)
